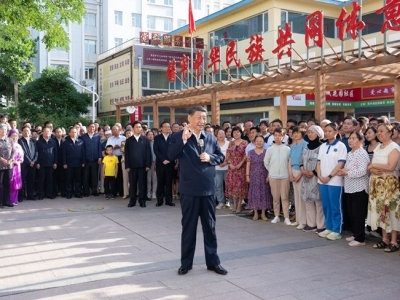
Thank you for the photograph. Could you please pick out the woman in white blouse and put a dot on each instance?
(355, 174)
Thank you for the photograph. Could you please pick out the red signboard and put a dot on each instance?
(167, 40)
(161, 57)
(340, 95)
(378, 92)
(137, 114)
(199, 43)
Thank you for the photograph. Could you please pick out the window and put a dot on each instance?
(90, 19)
(118, 41)
(136, 20)
(167, 24)
(90, 73)
(151, 1)
(151, 22)
(118, 17)
(373, 23)
(329, 28)
(145, 78)
(168, 2)
(90, 46)
(297, 20)
(240, 30)
(196, 4)
(55, 66)
(181, 23)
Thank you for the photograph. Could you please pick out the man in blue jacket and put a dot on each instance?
(73, 159)
(91, 141)
(46, 163)
(198, 153)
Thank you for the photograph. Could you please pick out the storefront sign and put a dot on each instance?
(378, 92)
(161, 57)
(359, 104)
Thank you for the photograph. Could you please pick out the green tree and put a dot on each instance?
(52, 97)
(18, 18)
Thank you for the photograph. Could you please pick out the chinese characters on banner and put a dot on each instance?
(348, 23)
(171, 70)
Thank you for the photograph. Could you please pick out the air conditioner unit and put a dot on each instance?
(83, 82)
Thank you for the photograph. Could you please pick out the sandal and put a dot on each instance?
(391, 248)
(380, 245)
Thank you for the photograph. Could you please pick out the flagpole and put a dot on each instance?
(191, 58)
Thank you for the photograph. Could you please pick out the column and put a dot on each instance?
(155, 114)
(283, 108)
(320, 97)
(397, 99)
(172, 115)
(215, 109)
(117, 114)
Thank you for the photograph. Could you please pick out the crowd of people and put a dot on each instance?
(337, 175)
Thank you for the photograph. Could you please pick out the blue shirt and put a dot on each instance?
(296, 153)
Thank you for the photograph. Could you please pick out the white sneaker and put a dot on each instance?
(324, 233)
(350, 238)
(220, 205)
(228, 205)
(356, 244)
(333, 236)
(295, 223)
(300, 227)
(275, 220)
(287, 222)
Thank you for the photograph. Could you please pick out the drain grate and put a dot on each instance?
(86, 208)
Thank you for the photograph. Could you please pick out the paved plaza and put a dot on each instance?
(93, 248)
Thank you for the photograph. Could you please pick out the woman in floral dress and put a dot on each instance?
(260, 197)
(18, 158)
(235, 185)
(384, 194)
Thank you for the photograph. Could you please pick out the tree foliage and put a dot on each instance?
(52, 97)
(47, 16)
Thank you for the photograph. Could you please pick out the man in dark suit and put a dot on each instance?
(91, 141)
(73, 159)
(164, 168)
(46, 163)
(137, 162)
(59, 172)
(28, 170)
(198, 153)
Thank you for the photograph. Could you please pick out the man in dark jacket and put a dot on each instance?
(28, 170)
(59, 172)
(164, 168)
(73, 159)
(198, 153)
(46, 163)
(91, 141)
(137, 162)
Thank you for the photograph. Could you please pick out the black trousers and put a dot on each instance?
(164, 182)
(357, 206)
(59, 181)
(28, 175)
(46, 175)
(137, 179)
(74, 181)
(194, 207)
(90, 177)
(119, 183)
(109, 185)
(5, 177)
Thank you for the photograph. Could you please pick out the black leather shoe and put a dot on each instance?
(85, 195)
(9, 205)
(142, 204)
(131, 205)
(183, 270)
(159, 204)
(170, 204)
(40, 198)
(69, 197)
(95, 194)
(218, 269)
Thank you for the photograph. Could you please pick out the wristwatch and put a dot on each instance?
(330, 176)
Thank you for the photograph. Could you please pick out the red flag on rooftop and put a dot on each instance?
(192, 24)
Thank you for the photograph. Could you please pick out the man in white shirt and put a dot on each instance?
(115, 140)
(277, 123)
